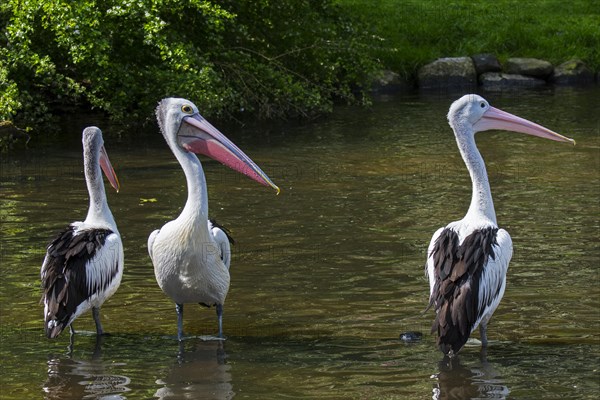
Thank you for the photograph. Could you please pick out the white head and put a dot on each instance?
(94, 153)
(170, 114)
(186, 130)
(472, 113)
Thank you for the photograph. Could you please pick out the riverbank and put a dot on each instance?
(414, 33)
(271, 61)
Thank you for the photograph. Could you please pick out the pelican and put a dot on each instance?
(191, 254)
(84, 263)
(467, 260)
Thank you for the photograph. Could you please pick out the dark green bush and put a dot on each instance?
(266, 58)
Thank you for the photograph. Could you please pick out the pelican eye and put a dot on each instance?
(482, 104)
(186, 108)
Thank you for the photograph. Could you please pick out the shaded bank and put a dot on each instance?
(269, 59)
(486, 71)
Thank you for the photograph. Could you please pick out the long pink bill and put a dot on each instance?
(494, 118)
(108, 169)
(206, 139)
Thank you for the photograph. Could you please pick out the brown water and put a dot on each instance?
(326, 275)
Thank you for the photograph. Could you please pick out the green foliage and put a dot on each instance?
(269, 58)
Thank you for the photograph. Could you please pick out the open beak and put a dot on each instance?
(494, 118)
(206, 139)
(108, 169)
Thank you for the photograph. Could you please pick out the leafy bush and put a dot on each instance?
(270, 58)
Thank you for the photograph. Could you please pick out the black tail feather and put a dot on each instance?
(215, 224)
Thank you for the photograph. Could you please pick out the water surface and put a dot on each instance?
(326, 275)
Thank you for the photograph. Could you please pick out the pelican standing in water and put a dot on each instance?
(467, 260)
(191, 254)
(84, 264)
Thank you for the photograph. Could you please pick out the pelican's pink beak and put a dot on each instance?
(494, 118)
(108, 169)
(206, 139)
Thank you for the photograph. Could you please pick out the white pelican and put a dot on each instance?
(191, 254)
(467, 260)
(84, 264)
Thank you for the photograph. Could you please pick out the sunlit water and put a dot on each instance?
(326, 275)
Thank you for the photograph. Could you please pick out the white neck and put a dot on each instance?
(482, 204)
(98, 212)
(196, 206)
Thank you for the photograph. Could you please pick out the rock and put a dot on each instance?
(410, 337)
(572, 72)
(497, 80)
(389, 82)
(486, 63)
(529, 66)
(9, 131)
(444, 73)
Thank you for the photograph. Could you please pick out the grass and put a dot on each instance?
(415, 32)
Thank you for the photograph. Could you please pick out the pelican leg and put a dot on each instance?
(71, 330)
(220, 318)
(96, 315)
(179, 309)
(483, 334)
(98, 347)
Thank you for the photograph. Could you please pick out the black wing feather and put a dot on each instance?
(457, 272)
(64, 279)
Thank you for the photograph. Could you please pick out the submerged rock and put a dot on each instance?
(486, 63)
(497, 80)
(572, 72)
(448, 73)
(529, 66)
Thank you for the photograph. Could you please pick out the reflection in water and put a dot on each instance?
(198, 374)
(479, 381)
(69, 378)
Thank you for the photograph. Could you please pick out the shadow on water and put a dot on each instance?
(199, 372)
(87, 376)
(476, 380)
(194, 369)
